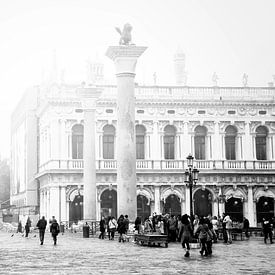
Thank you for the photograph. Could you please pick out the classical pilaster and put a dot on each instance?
(125, 59)
(216, 151)
(155, 142)
(63, 140)
(247, 144)
(186, 141)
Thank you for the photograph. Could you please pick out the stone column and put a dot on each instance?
(88, 96)
(125, 59)
(63, 216)
(250, 207)
(157, 199)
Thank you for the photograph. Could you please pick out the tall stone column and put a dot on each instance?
(125, 59)
(88, 96)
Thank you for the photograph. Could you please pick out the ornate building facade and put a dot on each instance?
(229, 130)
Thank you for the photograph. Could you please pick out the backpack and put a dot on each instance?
(55, 228)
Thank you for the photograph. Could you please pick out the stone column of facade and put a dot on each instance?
(54, 141)
(186, 142)
(63, 140)
(248, 143)
(216, 151)
(187, 200)
(63, 216)
(157, 200)
(148, 145)
(125, 59)
(41, 203)
(89, 96)
(54, 203)
(48, 192)
(155, 143)
(250, 207)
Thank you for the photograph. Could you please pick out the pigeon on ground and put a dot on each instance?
(34, 236)
(12, 235)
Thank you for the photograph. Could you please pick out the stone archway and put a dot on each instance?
(202, 202)
(264, 208)
(108, 203)
(76, 209)
(234, 208)
(172, 205)
(143, 207)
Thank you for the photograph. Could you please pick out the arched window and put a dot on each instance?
(200, 134)
(108, 142)
(140, 142)
(143, 207)
(77, 141)
(169, 142)
(261, 134)
(230, 142)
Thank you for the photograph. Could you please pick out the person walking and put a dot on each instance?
(267, 230)
(27, 227)
(41, 224)
(121, 228)
(202, 233)
(214, 223)
(228, 226)
(19, 228)
(112, 227)
(102, 228)
(224, 233)
(54, 229)
(126, 220)
(246, 227)
(185, 234)
(172, 228)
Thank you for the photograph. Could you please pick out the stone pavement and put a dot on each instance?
(76, 255)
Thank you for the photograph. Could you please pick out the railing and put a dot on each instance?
(175, 92)
(111, 164)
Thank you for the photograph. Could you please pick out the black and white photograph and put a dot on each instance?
(137, 137)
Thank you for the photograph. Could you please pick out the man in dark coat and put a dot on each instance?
(27, 227)
(246, 226)
(267, 230)
(42, 223)
(54, 229)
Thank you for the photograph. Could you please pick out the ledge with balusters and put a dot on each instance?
(155, 165)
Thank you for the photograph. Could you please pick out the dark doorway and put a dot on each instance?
(143, 208)
(203, 203)
(265, 208)
(108, 203)
(234, 208)
(76, 209)
(172, 205)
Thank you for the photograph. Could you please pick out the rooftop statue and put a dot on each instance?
(125, 34)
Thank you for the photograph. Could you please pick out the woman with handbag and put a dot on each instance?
(112, 227)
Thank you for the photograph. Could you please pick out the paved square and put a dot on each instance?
(75, 255)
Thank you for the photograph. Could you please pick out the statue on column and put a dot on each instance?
(215, 79)
(125, 34)
(245, 79)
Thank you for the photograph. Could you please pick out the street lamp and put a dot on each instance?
(191, 178)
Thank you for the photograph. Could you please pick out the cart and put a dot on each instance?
(151, 239)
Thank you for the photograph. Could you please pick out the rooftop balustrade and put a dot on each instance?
(171, 92)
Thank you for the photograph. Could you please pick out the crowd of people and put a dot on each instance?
(184, 229)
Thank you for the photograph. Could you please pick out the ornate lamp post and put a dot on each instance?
(191, 178)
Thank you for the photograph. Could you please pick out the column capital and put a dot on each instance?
(125, 58)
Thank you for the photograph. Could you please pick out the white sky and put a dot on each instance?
(228, 37)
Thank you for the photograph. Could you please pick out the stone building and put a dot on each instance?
(230, 131)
